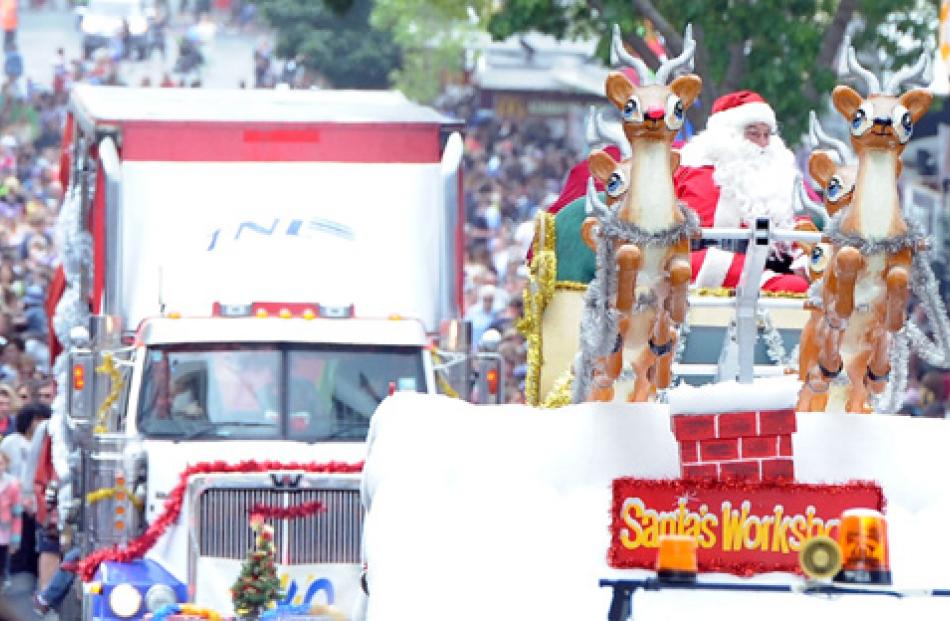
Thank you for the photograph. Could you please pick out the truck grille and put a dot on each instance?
(332, 536)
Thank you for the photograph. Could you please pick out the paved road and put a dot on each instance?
(229, 56)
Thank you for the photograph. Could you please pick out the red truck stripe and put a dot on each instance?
(283, 142)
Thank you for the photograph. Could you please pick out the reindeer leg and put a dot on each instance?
(607, 369)
(642, 385)
(857, 392)
(603, 384)
(662, 342)
(629, 258)
(847, 263)
(898, 292)
(828, 362)
(664, 365)
(680, 273)
(879, 364)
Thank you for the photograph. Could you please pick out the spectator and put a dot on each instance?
(17, 446)
(10, 359)
(482, 314)
(8, 407)
(11, 514)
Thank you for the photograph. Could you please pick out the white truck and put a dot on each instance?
(246, 275)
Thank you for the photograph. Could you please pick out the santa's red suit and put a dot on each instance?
(730, 181)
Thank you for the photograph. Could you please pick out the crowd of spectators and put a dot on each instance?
(511, 169)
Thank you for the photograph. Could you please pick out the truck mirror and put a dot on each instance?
(79, 393)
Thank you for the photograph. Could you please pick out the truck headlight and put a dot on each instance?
(159, 595)
(125, 600)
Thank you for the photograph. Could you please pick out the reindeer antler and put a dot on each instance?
(685, 58)
(597, 131)
(819, 139)
(870, 80)
(618, 54)
(915, 74)
(803, 203)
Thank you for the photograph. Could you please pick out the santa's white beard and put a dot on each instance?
(753, 181)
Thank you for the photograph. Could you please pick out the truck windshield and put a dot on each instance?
(294, 392)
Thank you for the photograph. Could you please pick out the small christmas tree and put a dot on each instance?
(257, 586)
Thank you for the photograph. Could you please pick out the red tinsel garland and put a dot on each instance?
(304, 509)
(137, 548)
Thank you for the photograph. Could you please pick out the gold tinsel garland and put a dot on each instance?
(725, 292)
(105, 493)
(561, 392)
(115, 375)
(537, 294)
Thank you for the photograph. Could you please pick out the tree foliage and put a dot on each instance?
(432, 36)
(784, 49)
(335, 38)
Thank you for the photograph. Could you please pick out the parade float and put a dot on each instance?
(788, 495)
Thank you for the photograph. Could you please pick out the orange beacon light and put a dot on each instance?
(676, 558)
(862, 536)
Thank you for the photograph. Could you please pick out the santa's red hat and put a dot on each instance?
(740, 109)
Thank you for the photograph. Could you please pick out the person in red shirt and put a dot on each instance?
(736, 170)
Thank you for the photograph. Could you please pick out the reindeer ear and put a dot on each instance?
(687, 88)
(821, 167)
(846, 101)
(917, 102)
(619, 89)
(601, 165)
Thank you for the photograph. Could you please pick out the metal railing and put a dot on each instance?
(747, 301)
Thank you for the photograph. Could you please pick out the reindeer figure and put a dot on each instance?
(642, 245)
(555, 307)
(866, 286)
(836, 181)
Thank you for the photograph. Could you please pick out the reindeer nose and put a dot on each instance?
(655, 113)
(883, 120)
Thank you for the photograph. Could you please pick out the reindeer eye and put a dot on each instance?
(674, 112)
(616, 184)
(834, 189)
(859, 117)
(819, 258)
(631, 110)
(903, 123)
(862, 120)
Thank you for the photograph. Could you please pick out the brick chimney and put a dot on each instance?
(752, 446)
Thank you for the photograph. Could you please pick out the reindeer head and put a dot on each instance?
(655, 110)
(882, 121)
(612, 174)
(837, 179)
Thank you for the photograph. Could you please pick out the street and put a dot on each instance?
(228, 59)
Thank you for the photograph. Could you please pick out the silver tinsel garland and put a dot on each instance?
(774, 344)
(912, 239)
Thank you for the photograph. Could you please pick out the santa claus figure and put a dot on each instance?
(736, 170)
